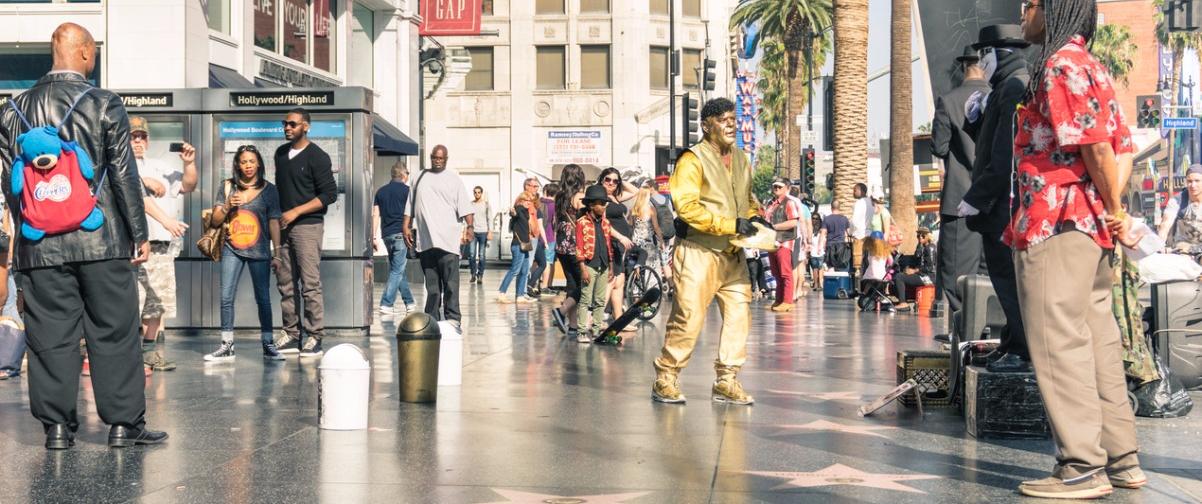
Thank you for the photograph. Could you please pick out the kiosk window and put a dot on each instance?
(265, 15)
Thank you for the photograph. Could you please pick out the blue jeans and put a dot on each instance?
(475, 258)
(396, 271)
(10, 304)
(260, 276)
(519, 267)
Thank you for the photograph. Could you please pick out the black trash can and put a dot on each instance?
(418, 341)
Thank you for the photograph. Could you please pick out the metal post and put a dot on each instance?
(673, 61)
(809, 42)
(421, 107)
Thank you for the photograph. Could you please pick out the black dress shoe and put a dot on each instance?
(59, 437)
(121, 436)
(1008, 363)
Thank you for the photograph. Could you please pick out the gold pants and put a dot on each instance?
(699, 276)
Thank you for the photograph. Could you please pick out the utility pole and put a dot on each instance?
(673, 70)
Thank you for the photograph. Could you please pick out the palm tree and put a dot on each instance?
(1114, 49)
(1177, 42)
(788, 21)
(774, 85)
(851, 97)
(901, 143)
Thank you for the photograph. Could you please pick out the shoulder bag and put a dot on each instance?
(211, 242)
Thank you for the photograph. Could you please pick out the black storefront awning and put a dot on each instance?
(390, 140)
(222, 77)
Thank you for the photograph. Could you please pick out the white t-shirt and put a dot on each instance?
(440, 202)
(171, 175)
(861, 218)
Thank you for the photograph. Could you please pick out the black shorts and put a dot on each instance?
(618, 260)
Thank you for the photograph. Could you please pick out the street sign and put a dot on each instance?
(809, 137)
(1187, 123)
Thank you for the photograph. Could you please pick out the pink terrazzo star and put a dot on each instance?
(516, 497)
(845, 395)
(840, 474)
(824, 425)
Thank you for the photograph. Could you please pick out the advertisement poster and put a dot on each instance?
(267, 136)
(580, 147)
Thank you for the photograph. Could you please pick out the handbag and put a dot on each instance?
(211, 242)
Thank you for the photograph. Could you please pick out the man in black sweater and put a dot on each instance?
(306, 184)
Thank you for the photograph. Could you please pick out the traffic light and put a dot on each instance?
(1148, 111)
(1183, 15)
(692, 119)
(807, 170)
(710, 76)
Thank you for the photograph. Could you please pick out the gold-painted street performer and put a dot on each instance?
(711, 189)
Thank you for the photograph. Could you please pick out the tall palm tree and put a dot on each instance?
(788, 21)
(1114, 49)
(851, 98)
(901, 143)
(774, 81)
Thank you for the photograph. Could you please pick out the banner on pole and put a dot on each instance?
(450, 17)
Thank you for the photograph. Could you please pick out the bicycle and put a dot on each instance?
(639, 280)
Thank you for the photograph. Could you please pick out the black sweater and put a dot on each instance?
(304, 177)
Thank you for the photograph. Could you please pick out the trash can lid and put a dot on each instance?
(344, 356)
(418, 326)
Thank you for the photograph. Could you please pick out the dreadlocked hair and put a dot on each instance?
(1063, 19)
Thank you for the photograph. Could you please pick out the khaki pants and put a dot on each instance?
(592, 300)
(701, 275)
(1064, 284)
(857, 255)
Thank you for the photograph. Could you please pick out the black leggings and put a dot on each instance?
(571, 273)
(902, 280)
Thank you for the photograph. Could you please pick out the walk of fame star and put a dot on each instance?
(840, 474)
(822, 396)
(824, 425)
(516, 497)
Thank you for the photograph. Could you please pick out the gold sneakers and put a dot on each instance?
(729, 390)
(666, 390)
(783, 307)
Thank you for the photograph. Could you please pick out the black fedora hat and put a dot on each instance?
(595, 193)
(1002, 35)
(970, 55)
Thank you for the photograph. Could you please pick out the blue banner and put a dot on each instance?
(275, 129)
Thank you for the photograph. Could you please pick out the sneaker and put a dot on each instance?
(287, 344)
(572, 333)
(387, 311)
(1089, 486)
(312, 348)
(783, 307)
(560, 320)
(504, 298)
(729, 390)
(224, 353)
(1131, 478)
(666, 390)
(584, 337)
(526, 300)
(533, 292)
(271, 353)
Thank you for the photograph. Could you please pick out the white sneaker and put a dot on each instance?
(526, 299)
(387, 311)
(410, 308)
(504, 298)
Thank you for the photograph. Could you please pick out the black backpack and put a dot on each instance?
(663, 213)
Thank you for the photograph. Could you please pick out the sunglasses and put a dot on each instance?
(610, 180)
(1028, 5)
(290, 124)
(247, 148)
(138, 135)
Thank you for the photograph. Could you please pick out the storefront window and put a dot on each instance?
(265, 16)
(363, 35)
(218, 14)
(324, 34)
(21, 67)
(296, 29)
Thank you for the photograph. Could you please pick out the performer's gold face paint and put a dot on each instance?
(720, 130)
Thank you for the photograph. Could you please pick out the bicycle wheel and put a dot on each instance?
(638, 282)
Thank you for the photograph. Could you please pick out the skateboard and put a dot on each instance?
(610, 335)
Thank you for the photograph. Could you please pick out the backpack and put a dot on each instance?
(51, 179)
(663, 213)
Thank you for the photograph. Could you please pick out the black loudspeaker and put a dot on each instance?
(1177, 326)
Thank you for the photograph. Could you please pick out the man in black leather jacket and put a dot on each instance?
(81, 284)
(987, 204)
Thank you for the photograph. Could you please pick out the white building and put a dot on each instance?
(559, 81)
(146, 44)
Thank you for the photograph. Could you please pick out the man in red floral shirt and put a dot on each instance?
(1071, 144)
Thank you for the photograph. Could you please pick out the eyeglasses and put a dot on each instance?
(139, 135)
(290, 124)
(1028, 5)
(610, 180)
(778, 186)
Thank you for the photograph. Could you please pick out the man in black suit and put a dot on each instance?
(959, 248)
(987, 205)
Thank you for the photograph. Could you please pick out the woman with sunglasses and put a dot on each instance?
(526, 225)
(619, 193)
(481, 235)
(249, 206)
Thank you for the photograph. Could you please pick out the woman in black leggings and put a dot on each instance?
(568, 204)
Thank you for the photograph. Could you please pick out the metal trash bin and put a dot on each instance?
(418, 341)
(342, 388)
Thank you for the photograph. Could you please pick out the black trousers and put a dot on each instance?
(959, 255)
(571, 273)
(94, 301)
(902, 280)
(999, 261)
(441, 269)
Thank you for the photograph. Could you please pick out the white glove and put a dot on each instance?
(967, 210)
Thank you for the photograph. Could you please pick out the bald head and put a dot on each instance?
(73, 48)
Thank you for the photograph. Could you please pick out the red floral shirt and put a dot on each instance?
(1075, 106)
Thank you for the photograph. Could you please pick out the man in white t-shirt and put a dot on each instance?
(861, 221)
(441, 222)
(165, 182)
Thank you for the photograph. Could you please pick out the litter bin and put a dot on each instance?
(418, 341)
(343, 388)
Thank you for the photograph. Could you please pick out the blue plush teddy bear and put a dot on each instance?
(43, 151)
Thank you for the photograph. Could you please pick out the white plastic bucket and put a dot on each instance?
(342, 388)
(450, 355)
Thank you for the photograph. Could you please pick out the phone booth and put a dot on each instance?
(341, 126)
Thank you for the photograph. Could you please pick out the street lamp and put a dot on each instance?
(431, 58)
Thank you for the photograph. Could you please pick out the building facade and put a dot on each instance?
(572, 81)
(164, 44)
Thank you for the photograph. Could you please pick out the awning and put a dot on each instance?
(1157, 151)
(390, 140)
(222, 77)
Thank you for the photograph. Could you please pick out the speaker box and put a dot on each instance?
(1003, 405)
(1177, 326)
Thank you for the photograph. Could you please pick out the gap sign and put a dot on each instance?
(1186, 123)
(450, 17)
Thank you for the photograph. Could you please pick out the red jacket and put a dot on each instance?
(586, 243)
